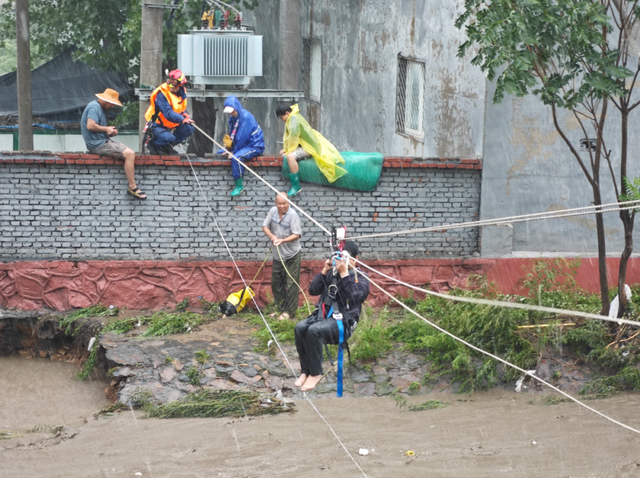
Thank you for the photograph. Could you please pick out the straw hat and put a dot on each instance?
(110, 96)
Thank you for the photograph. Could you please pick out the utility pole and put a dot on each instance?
(25, 108)
(150, 53)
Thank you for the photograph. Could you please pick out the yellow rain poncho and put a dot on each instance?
(297, 132)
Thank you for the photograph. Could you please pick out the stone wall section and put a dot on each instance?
(74, 207)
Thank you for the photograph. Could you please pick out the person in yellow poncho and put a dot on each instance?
(301, 141)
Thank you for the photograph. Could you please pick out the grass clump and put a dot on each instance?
(219, 403)
(428, 405)
(163, 323)
(627, 378)
(89, 365)
(195, 375)
(99, 310)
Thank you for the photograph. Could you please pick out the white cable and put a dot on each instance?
(262, 316)
(533, 376)
(261, 179)
(612, 207)
(236, 265)
(511, 305)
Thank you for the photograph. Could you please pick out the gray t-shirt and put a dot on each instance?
(92, 139)
(283, 228)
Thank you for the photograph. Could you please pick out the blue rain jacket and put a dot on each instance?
(249, 137)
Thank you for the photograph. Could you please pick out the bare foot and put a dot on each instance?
(284, 316)
(301, 380)
(311, 383)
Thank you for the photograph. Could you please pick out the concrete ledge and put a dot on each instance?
(48, 157)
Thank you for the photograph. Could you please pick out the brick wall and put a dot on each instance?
(74, 207)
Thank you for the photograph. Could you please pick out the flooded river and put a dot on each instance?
(40, 391)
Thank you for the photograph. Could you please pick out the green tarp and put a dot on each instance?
(363, 171)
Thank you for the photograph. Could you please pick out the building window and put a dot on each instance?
(312, 69)
(410, 98)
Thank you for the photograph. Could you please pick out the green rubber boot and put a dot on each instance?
(238, 189)
(295, 184)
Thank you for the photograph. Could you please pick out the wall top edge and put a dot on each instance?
(48, 157)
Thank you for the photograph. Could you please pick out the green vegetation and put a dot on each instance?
(517, 336)
(182, 305)
(89, 365)
(195, 375)
(428, 405)
(202, 356)
(160, 323)
(163, 323)
(217, 404)
(99, 310)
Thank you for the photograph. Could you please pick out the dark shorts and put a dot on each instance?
(110, 148)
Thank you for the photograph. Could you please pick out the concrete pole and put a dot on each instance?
(150, 53)
(25, 108)
(289, 45)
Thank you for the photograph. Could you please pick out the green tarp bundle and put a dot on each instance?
(363, 171)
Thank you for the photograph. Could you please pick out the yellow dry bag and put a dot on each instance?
(236, 301)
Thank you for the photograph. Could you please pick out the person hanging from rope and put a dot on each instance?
(245, 139)
(282, 227)
(301, 141)
(342, 289)
(97, 136)
(167, 113)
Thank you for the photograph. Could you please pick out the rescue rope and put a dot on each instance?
(260, 178)
(261, 266)
(525, 372)
(235, 264)
(294, 281)
(256, 304)
(510, 305)
(581, 211)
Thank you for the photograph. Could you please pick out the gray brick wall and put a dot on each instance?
(79, 212)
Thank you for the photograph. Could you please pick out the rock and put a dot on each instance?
(167, 374)
(242, 378)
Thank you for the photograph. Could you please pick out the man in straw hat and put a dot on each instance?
(97, 136)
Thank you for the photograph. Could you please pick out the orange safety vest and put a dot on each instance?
(177, 104)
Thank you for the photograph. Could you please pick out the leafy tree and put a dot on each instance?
(574, 55)
(106, 33)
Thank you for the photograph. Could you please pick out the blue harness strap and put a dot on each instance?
(340, 356)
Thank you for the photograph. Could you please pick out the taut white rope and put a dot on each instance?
(261, 179)
(533, 376)
(258, 308)
(539, 216)
(511, 305)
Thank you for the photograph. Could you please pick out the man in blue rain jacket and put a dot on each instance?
(245, 139)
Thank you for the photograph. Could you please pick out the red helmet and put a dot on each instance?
(177, 75)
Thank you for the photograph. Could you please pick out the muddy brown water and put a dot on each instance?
(40, 391)
(492, 434)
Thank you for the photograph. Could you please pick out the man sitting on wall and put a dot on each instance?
(171, 123)
(97, 136)
(342, 290)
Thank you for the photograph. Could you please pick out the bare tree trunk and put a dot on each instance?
(627, 220)
(602, 252)
(627, 217)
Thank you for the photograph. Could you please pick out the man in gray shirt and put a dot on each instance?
(97, 136)
(282, 227)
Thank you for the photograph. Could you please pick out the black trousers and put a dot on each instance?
(311, 334)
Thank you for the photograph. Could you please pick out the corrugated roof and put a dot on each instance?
(61, 88)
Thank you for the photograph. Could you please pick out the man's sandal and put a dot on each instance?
(136, 193)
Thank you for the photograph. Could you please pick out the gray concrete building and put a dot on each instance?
(384, 76)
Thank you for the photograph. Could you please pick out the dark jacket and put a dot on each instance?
(351, 294)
